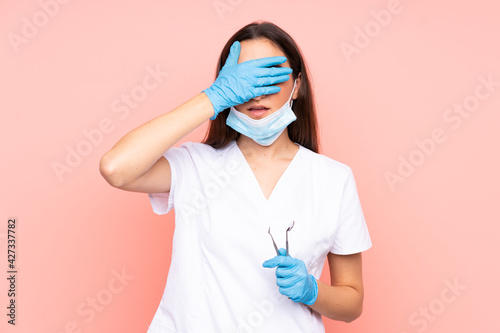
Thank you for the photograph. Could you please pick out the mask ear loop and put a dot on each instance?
(290, 100)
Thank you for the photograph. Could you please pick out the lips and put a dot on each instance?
(258, 108)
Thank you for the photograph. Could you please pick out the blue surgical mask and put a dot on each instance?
(266, 130)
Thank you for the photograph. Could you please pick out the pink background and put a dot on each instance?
(435, 227)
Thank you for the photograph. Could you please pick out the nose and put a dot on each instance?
(258, 98)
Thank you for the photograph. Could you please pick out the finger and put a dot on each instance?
(285, 271)
(282, 251)
(267, 81)
(273, 262)
(234, 54)
(280, 274)
(271, 71)
(286, 264)
(283, 283)
(288, 291)
(287, 281)
(269, 90)
(267, 62)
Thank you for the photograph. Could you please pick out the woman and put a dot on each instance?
(257, 173)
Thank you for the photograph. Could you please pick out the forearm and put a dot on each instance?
(342, 303)
(136, 152)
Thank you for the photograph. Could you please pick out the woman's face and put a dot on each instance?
(262, 106)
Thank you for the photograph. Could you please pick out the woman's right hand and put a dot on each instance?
(239, 83)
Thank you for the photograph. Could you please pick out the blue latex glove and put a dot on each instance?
(239, 83)
(293, 279)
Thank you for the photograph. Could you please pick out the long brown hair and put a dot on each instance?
(302, 131)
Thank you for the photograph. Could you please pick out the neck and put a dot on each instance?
(280, 148)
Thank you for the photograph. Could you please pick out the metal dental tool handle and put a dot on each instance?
(274, 243)
(287, 230)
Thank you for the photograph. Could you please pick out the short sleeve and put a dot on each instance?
(180, 165)
(352, 233)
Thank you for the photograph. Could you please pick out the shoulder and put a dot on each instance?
(324, 164)
(198, 148)
(201, 155)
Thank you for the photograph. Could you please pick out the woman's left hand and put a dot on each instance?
(293, 279)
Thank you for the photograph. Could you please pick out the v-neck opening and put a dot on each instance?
(278, 184)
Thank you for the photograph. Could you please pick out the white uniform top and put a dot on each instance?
(216, 282)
